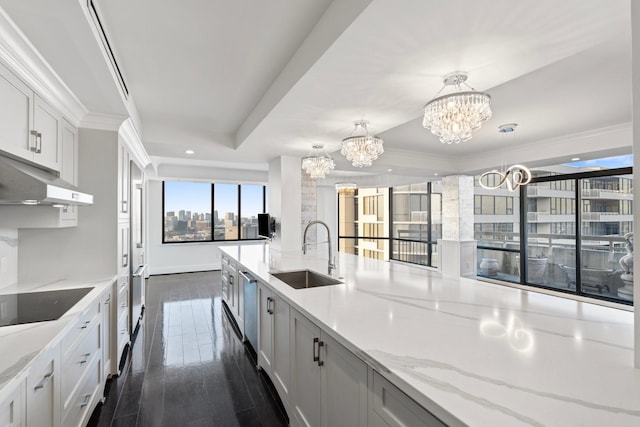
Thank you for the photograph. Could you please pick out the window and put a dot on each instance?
(187, 211)
(205, 212)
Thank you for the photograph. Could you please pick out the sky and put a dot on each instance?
(196, 197)
(606, 163)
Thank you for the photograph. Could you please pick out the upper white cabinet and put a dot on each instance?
(47, 130)
(30, 128)
(329, 382)
(16, 116)
(123, 181)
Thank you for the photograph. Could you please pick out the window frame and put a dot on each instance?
(239, 207)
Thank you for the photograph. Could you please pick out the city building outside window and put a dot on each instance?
(205, 212)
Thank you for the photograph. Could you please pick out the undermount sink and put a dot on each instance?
(302, 279)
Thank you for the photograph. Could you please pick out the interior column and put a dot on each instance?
(285, 203)
(457, 248)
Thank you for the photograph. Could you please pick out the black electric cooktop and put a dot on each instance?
(31, 307)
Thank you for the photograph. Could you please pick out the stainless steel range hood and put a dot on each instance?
(22, 184)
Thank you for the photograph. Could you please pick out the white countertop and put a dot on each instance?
(471, 352)
(20, 344)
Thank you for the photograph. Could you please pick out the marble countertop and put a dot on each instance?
(471, 352)
(20, 344)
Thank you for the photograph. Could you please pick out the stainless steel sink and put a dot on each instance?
(302, 279)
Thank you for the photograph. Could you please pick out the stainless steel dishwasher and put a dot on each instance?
(250, 285)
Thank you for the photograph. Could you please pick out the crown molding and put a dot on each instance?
(23, 59)
(102, 121)
(131, 138)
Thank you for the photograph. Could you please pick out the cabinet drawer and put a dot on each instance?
(75, 365)
(87, 320)
(398, 409)
(225, 261)
(82, 402)
(123, 331)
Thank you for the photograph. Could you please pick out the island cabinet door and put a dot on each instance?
(281, 356)
(265, 330)
(43, 398)
(344, 386)
(305, 372)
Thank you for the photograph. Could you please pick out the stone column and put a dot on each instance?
(635, 68)
(285, 202)
(457, 249)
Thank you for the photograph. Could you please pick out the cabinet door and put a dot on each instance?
(69, 168)
(12, 408)
(107, 328)
(16, 116)
(344, 386)
(305, 395)
(123, 181)
(42, 392)
(265, 330)
(47, 123)
(281, 355)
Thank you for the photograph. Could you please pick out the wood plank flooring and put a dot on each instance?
(187, 366)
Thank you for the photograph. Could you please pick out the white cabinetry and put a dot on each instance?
(81, 357)
(329, 384)
(30, 128)
(233, 291)
(69, 169)
(47, 132)
(123, 181)
(43, 397)
(274, 340)
(393, 408)
(108, 324)
(12, 408)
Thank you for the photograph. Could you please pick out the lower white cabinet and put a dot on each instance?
(43, 396)
(391, 407)
(12, 408)
(108, 320)
(273, 340)
(329, 384)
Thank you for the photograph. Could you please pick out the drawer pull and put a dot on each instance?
(85, 358)
(85, 402)
(124, 304)
(86, 323)
(123, 331)
(43, 381)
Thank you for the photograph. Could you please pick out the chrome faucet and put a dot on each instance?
(331, 265)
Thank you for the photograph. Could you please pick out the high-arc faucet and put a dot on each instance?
(332, 264)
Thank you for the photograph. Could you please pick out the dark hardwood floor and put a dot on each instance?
(187, 366)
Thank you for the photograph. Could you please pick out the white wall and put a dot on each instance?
(89, 250)
(166, 258)
(8, 260)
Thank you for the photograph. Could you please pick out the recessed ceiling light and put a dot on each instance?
(29, 202)
(389, 170)
(575, 159)
(507, 128)
(189, 152)
(436, 174)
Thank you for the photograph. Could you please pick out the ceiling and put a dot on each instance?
(246, 81)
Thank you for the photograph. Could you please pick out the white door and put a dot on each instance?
(305, 396)
(344, 386)
(16, 116)
(281, 342)
(265, 328)
(47, 123)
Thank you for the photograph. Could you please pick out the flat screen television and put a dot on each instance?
(266, 225)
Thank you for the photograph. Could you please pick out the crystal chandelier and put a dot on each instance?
(360, 148)
(318, 163)
(453, 117)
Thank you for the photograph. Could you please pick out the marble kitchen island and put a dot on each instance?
(470, 352)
